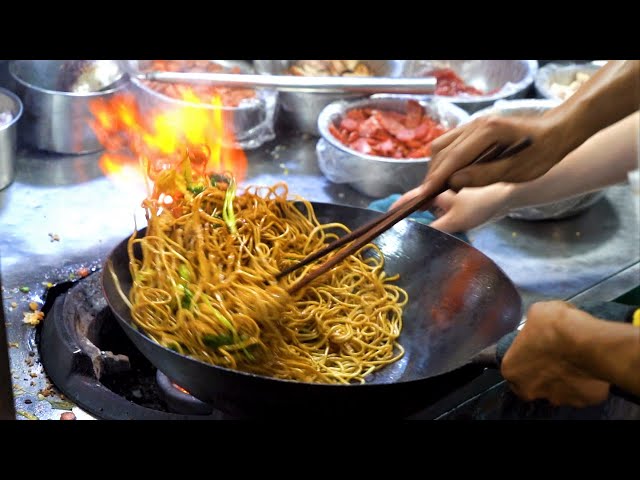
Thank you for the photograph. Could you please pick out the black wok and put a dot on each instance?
(460, 302)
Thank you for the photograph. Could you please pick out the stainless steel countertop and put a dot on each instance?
(68, 196)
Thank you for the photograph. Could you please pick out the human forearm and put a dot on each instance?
(603, 160)
(607, 350)
(611, 94)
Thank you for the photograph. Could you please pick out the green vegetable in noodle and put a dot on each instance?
(228, 215)
(196, 189)
(183, 271)
(215, 341)
(187, 296)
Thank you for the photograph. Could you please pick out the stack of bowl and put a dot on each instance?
(503, 78)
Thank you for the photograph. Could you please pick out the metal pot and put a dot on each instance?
(371, 175)
(56, 120)
(10, 105)
(252, 120)
(303, 109)
(512, 78)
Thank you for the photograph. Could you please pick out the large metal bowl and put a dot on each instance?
(302, 109)
(372, 175)
(252, 119)
(563, 74)
(11, 106)
(513, 77)
(56, 120)
(556, 210)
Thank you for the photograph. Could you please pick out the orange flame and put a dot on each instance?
(160, 138)
(178, 387)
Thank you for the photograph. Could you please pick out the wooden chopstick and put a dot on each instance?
(373, 230)
(364, 234)
(333, 245)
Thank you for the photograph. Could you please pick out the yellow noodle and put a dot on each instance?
(211, 294)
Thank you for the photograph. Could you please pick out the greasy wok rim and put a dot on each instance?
(106, 274)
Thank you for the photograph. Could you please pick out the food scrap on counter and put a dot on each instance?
(27, 415)
(33, 318)
(387, 133)
(83, 272)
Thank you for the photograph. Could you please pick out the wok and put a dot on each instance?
(460, 302)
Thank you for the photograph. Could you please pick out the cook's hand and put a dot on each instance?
(469, 208)
(458, 148)
(452, 152)
(537, 365)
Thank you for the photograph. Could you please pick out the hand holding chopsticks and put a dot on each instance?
(366, 233)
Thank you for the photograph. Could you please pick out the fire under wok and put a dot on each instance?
(460, 302)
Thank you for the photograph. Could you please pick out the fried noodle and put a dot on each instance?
(205, 287)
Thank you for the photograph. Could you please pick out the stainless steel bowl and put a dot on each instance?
(252, 119)
(11, 110)
(563, 74)
(56, 120)
(372, 175)
(512, 77)
(5, 79)
(303, 109)
(556, 210)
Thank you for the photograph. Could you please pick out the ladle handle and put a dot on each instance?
(292, 83)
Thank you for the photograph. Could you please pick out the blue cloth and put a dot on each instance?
(424, 217)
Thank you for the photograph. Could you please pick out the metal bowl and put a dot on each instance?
(556, 210)
(10, 111)
(563, 74)
(252, 119)
(303, 109)
(56, 119)
(372, 175)
(512, 77)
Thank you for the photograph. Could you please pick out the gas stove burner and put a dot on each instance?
(89, 358)
(179, 400)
